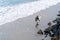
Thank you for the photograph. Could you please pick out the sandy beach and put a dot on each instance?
(24, 28)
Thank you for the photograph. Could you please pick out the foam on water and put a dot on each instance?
(11, 13)
(13, 2)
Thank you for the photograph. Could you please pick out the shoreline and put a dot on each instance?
(12, 13)
(24, 28)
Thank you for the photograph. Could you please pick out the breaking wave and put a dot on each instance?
(12, 13)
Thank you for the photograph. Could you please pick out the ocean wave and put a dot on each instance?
(12, 13)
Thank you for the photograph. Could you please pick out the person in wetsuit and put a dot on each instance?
(37, 20)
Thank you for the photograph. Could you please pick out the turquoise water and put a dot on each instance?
(13, 2)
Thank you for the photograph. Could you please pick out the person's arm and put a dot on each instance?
(39, 18)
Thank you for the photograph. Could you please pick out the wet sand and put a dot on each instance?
(24, 28)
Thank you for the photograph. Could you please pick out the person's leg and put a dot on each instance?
(36, 25)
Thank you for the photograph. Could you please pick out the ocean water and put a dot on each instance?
(12, 13)
(17, 31)
(13, 2)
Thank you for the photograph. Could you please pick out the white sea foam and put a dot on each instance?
(11, 13)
